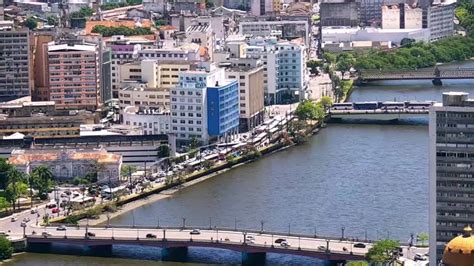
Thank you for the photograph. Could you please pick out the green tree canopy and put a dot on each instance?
(344, 62)
(6, 249)
(53, 20)
(423, 237)
(4, 169)
(42, 179)
(31, 23)
(121, 30)
(326, 102)
(309, 110)
(357, 263)
(382, 251)
(3, 204)
(163, 151)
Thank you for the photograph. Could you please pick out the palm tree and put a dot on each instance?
(42, 177)
(14, 178)
(31, 181)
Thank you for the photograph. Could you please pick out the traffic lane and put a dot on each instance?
(209, 235)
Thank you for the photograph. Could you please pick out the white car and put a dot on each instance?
(284, 244)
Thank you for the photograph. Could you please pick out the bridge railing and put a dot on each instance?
(191, 239)
(229, 229)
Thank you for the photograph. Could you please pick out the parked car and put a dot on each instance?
(279, 240)
(359, 245)
(90, 234)
(13, 219)
(26, 219)
(55, 210)
(284, 244)
(61, 228)
(419, 256)
(249, 237)
(150, 236)
(195, 232)
(322, 248)
(51, 205)
(46, 234)
(33, 211)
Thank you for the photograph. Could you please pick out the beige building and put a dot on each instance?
(390, 17)
(251, 94)
(73, 75)
(70, 163)
(413, 17)
(144, 97)
(202, 35)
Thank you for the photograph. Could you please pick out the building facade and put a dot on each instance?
(142, 96)
(441, 19)
(15, 68)
(152, 121)
(451, 197)
(74, 75)
(251, 95)
(340, 13)
(68, 164)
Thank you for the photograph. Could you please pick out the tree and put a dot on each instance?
(383, 251)
(407, 42)
(4, 168)
(3, 204)
(13, 192)
(207, 164)
(209, 3)
(423, 237)
(357, 263)
(31, 23)
(330, 58)
(309, 110)
(43, 180)
(313, 64)
(6, 249)
(163, 151)
(53, 20)
(344, 62)
(86, 12)
(326, 102)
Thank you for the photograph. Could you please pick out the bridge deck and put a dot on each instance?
(411, 74)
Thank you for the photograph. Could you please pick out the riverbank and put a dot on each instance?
(161, 191)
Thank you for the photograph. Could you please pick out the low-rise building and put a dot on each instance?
(66, 164)
(151, 121)
(144, 97)
(287, 29)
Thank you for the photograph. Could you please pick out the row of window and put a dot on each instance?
(190, 122)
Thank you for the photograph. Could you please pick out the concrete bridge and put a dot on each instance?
(174, 242)
(379, 114)
(435, 74)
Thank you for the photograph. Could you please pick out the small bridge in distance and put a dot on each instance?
(436, 74)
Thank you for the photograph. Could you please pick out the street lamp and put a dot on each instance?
(184, 223)
(289, 228)
(262, 222)
(235, 224)
(342, 232)
(158, 222)
(24, 229)
(210, 222)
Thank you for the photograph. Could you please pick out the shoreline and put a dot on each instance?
(102, 220)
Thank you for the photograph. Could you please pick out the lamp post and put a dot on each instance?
(133, 219)
(342, 232)
(158, 222)
(210, 222)
(108, 220)
(262, 222)
(184, 223)
(289, 228)
(24, 229)
(235, 224)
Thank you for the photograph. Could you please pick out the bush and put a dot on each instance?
(6, 249)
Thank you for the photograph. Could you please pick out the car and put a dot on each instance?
(23, 224)
(55, 210)
(90, 234)
(279, 240)
(150, 236)
(226, 239)
(46, 234)
(33, 211)
(284, 244)
(249, 237)
(359, 245)
(26, 219)
(14, 219)
(61, 228)
(195, 232)
(51, 205)
(3, 233)
(419, 256)
(322, 248)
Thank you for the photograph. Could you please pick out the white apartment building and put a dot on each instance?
(170, 51)
(441, 19)
(202, 35)
(152, 121)
(287, 28)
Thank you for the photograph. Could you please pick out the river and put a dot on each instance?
(369, 178)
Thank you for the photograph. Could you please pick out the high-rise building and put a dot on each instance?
(340, 13)
(451, 134)
(251, 94)
(15, 68)
(441, 19)
(205, 106)
(74, 75)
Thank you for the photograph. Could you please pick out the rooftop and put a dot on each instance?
(23, 157)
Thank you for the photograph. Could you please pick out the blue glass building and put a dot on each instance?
(223, 108)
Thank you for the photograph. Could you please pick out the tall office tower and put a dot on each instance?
(14, 64)
(451, 183)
